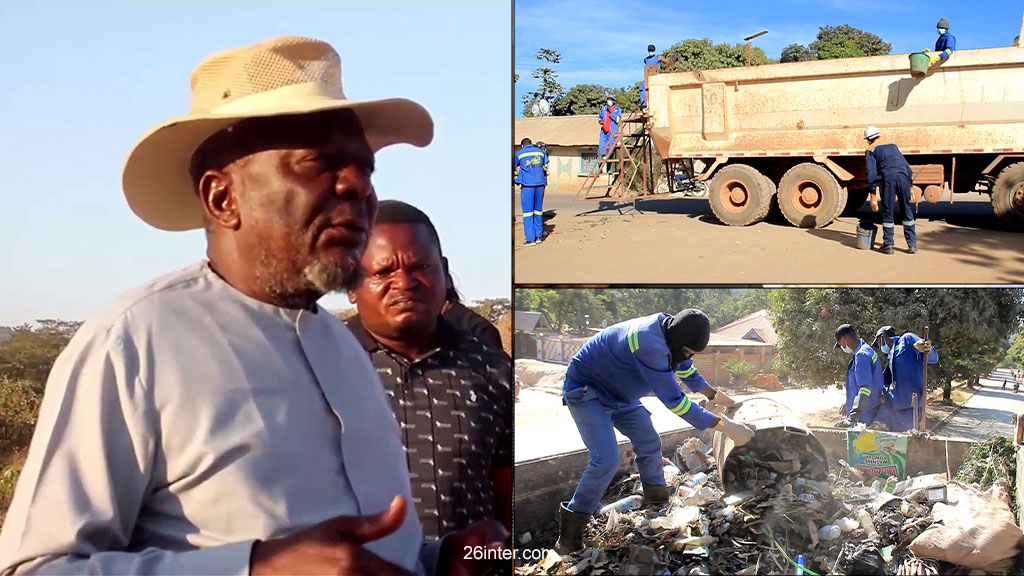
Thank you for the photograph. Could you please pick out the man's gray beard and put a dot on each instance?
(286, 286)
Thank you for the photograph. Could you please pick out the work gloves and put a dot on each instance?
(923, 346)
(933, 58)
(718, 401)
(859, 406)
(738, 431)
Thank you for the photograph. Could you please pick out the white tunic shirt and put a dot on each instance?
(186, 421)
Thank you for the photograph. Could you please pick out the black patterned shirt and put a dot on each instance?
(455, 408)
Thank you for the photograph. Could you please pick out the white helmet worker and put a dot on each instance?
(871, 132)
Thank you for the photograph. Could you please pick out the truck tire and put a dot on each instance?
(739, 195)
(810, 196)
(856, 199)
(1008, 196)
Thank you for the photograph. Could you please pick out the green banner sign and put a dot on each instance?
(877, 454)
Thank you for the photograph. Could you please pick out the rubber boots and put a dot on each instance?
(656, 494)
(570, 529)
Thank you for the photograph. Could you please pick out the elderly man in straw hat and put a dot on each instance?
(217, 420)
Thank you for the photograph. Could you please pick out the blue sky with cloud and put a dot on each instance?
(82, 81)
(605, 42)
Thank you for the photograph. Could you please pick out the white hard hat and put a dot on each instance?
(871, 132)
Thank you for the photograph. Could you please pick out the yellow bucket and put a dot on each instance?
(919, 62)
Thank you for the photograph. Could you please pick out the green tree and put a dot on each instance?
(968, 326)
(549, 88)
(867, 44)
(491, 308)
(795, 53)
(703, 54)
(30, 351)
(581, 99)
(838, 48)
(740, 372)
(1015, 354)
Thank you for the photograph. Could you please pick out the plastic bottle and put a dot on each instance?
(890, 484)
(797, 571)
(829, 532)
(624, 505)
(876, 487)
(697, 479)
(867, 524)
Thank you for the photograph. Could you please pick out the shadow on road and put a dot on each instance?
(844, 238)
(986, 251)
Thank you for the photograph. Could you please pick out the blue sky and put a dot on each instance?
(83, 81)
(605, 42)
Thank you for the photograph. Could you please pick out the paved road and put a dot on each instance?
(544, 427)
(987, 412)
(678, 240)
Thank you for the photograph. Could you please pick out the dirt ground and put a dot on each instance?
(678, 240)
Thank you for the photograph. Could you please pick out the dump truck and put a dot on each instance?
(793, 134)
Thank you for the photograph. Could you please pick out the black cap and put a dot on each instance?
(650, 47)
(843, 330)
(690, 328)
(885, 331)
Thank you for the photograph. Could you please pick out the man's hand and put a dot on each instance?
(334, 546)
(738, 431)
(487, 534)
(933, 58)
(923, 346)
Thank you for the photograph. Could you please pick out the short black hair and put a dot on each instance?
(526, 141)
(650, 47)
(398, 212)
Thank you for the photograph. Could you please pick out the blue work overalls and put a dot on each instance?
(904, 377)
(529, 163)
(885, 163)
(864, 378)
(603, 386)
(616, 115)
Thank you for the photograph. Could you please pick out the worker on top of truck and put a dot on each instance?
(603, 386)
(609, 119)
(886, 165)
(864, 384)
(903, 376)
(652, 58)
(945, 44)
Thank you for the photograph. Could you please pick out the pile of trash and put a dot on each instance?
(783, 511)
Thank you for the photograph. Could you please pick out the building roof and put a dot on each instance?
(530, 321)
(755, 327)
(579, 130)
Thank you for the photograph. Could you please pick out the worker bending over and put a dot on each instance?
(886, 165)
(864, 384)
(603, 386)
(903, 376)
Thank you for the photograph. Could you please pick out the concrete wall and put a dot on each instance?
(565, 166)
(542, 483)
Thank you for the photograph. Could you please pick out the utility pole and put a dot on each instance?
(748, 41)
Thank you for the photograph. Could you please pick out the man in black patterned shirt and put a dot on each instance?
(451, 393)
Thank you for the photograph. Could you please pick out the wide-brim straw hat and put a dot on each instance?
(283, 76)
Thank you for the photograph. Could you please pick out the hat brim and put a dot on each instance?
(156, 179)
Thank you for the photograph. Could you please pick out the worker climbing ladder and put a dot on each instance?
(626, 164)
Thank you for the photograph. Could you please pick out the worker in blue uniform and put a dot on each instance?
(603, 386)
(652, 58)
(531, 173)
(944, 46)
(609, 119)
(886, 165)
(904, 375)
(864, 382)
